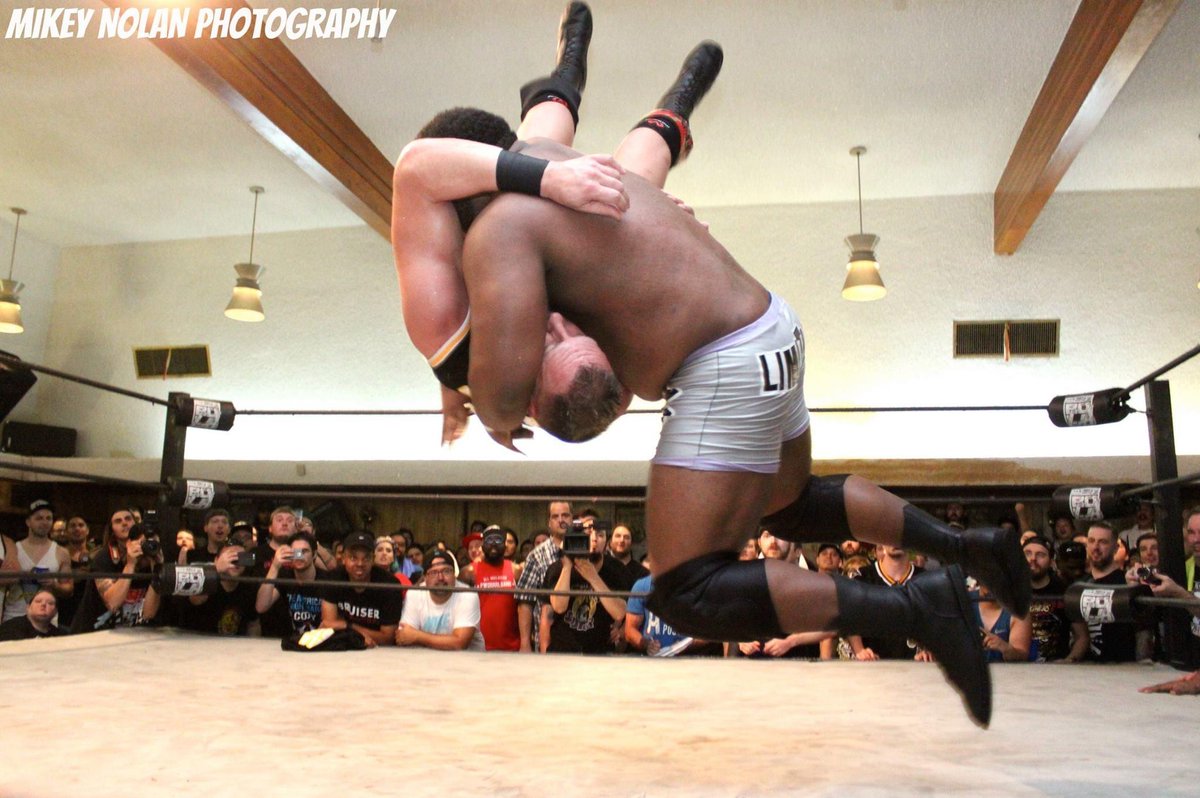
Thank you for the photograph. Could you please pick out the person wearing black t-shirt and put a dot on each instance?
(120, 602)
(216, 532)
(38, 620)
(892, 568)
(1110, 641)
(230, 610)
(374, 614)
(584, 624)
(1053, 629)
(294, 562)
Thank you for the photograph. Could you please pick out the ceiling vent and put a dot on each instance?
(172, 361)
(1006, 338)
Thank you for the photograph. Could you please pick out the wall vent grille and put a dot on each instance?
(987, 338)
(160, 362)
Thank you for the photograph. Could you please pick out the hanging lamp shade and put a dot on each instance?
(246, 302)
(10, 304)
(863, 282)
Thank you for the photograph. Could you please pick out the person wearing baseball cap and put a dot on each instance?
(441, 619)
(373, 613)
(37, 552)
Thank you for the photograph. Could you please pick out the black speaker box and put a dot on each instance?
(37, 440)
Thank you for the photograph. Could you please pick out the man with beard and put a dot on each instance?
(1055, 637)
(620, 546)
(583, 624)
(1110, 642)
(439, 618)
(372, 613)
(497, 611)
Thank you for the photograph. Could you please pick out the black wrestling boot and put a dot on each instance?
(991, 555)
(565, 84)
(933, 609)
(574, 36)
(696, 77)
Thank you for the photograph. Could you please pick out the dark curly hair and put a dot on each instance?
(471, 124)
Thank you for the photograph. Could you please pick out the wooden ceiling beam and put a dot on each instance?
(266, 85)
(1106, 41)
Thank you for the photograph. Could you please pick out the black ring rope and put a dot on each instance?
(1153, 486)
(1153, 601)
(16, 363)
(1188, 355)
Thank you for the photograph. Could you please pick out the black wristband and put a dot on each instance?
(520, 173)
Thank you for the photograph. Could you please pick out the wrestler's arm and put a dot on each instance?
(427, 237)
(506, 282)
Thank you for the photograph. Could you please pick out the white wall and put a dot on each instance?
(36, 266)
(1119, 269)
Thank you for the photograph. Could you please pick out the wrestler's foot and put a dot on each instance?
(933, 609)
(944, 625)
(574, 36)
(994, 557)
(696, 77)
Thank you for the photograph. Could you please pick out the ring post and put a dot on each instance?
(174, 442)
(1177, 644)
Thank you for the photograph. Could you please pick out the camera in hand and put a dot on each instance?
(577, 542)
(245, 559)
(147, 532)
(1147, 576)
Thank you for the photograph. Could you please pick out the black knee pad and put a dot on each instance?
(550, 88)
(818, 514)
(717, 597)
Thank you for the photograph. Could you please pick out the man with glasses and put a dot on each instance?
(439, 618)
(295, 564)
(372, 613)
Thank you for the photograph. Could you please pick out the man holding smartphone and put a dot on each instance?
(230, 610)
(295, 563)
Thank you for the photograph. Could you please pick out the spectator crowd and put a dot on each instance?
(520, 601)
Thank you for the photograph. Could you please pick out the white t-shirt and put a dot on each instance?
(460, 611)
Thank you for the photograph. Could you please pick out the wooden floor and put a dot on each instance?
(149, 713)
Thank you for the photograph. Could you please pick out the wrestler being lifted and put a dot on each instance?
(429, 215)
(663, 309)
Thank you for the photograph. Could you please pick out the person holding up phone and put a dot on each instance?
(230, 610)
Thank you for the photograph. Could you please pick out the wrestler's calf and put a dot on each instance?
(993, 556)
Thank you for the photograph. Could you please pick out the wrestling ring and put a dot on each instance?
(173, 713)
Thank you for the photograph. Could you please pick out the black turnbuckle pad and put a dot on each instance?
(1093, 503)
(197, 494)
(1089, 409)
(188, 580)
(203, 413)
(1093, 604)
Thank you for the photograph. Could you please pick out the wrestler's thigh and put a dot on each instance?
(692, 513)
(645, 153)
(549, 120)
(795, 467)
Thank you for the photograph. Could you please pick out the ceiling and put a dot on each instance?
(108, 141)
